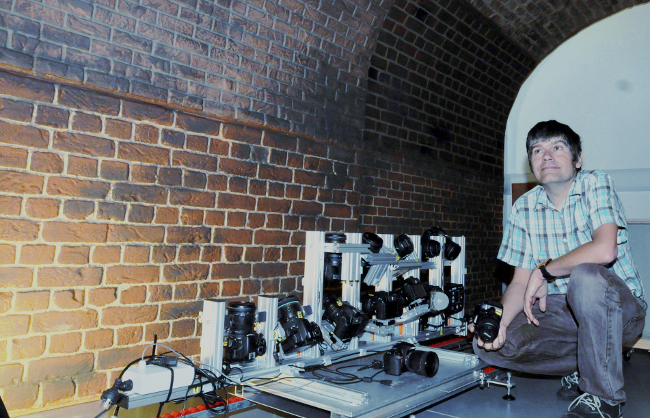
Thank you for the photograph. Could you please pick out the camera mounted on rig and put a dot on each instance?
(348, 321)
(451, 249)
(332, 261)
(384, 305)
(298, 331)
(405, 357)
(487, 319)
(242, 343)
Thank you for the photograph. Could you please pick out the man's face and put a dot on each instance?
(552, 162)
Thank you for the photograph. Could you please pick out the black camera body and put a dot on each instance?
(299, 332)
(384, 305)
(487, 319)
(413, 289)
(242, 343)
(405, 357)
(348, 322)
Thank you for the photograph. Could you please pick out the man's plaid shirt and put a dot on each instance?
(537, 231)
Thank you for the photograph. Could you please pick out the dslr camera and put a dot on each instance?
(242, 343)
(384, 305)
(405, 357)
(487, 318)
(298, 331)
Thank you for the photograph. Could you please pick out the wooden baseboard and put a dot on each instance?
(641, 344)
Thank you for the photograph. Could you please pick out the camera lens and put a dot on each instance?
(242, 316)
(373, 240)
(403, 245)
(332, 266)
(424, 363)
(337, 237)
(430, 247)
(452, 250)
(289, 308)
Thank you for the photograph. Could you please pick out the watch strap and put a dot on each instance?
(548, 276)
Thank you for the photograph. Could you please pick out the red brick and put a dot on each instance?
(141, 214)
(189, 253)
(101, 338)
(10, 205)
(27, 88)
(90, 384)
(187, 235)
(12, 109)
(183, 328)
(217, 182)
(111, 211)
(186, 291)
(307, 208)
(69, 299)
(20, 183)
(74, 232)
(254, 254)
(106, 255)
(134, 294)
(37, 254)
(271, 254)
(160, 293)
(12, 277)
(102, 296)
(143, 111)
(147, 134)
(129, 335)
(163, 254)
(132, 274)
(88, 100)
(13, 325)
(219, 147)
(264, 237)
(196, 161)
(180, 310)
(114, 170)
(74, 255)
(10, 374)
(13, 157)
(42, 208)
(3, 351)
(230, 271)
(118, 357)
(25, 136)
(211, 254)
(213, 217)
(232, 236)
(118, 129)
(265, 204)
(159, 330)
(128, 315)
(143, 173)
(170, 176)
(55, 367)
(234, 254)
(132, 233)
(136, 254)
(166, 216)
(18, 230)
(52, 116)
(78, 209)
(84, 167)
(230, 288)
(279, 140)
(128, 192)
(236, 219)
(143, 153)
(251, 287)
(84, 144)
(32, 301)
(86, 123)
(264, 270)
(242, 133)
(186, 272)
(237, 167)
(21, 396)
(235, 201)
(69, 276)
(7, 254)
(197, 143)
(191, 198)
(65, 343)
(77, 188)
(197, 124)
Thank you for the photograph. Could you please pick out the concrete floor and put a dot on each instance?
(535, 397)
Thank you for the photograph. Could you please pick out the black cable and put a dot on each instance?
(171, 388)
(98, 415)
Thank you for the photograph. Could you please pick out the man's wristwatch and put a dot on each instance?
(548, 276)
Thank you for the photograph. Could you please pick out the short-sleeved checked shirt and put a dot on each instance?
(537, 231)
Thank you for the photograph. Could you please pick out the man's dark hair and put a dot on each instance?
(544, 131)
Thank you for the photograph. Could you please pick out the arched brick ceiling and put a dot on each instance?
(540, 26)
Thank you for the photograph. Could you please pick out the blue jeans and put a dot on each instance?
(584, 330)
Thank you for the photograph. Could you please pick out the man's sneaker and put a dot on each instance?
(569, 390)
(590, 406)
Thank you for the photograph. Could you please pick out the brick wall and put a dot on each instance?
(441, 84)
(292, 64)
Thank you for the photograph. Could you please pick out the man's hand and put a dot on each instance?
(537, 289)
(495, 345)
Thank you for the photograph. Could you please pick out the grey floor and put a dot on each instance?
(535, 398)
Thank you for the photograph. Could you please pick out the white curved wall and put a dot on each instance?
(597, 82)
